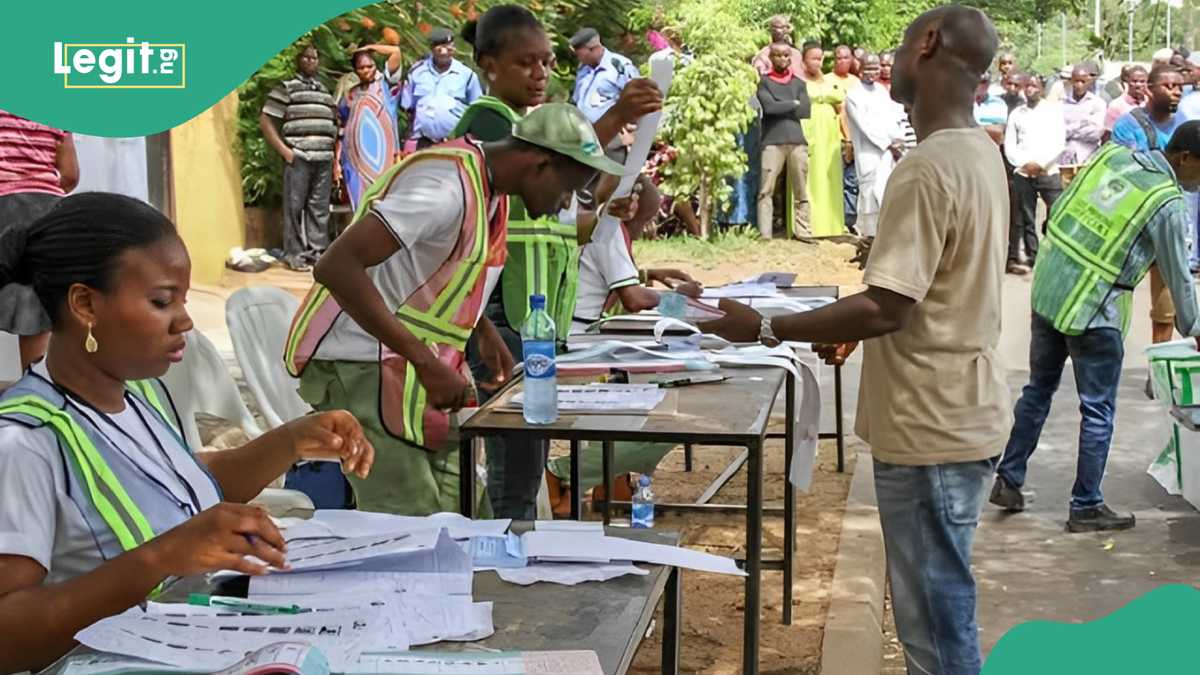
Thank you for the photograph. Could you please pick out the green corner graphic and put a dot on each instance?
(1149, 635)
(204, 50)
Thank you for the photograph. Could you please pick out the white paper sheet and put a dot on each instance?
(662, 71)
(477, 663)
(209, 644)
(742, 290)
(568, 574)
(353, 581)
(351, 523)
(283, 657)
(592, 526)
(422, 618)
(635, 398)
(568, 546)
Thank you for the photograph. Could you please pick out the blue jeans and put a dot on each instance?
(1096, 358)
(929, 515)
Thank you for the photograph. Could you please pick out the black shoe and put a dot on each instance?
(1097, 519)
(1150, 388)
(297, 264)
(1007, 497)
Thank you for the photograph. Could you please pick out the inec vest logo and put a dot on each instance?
(121, 65)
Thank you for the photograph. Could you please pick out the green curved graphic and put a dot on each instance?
(224, 43)
(1153, 634)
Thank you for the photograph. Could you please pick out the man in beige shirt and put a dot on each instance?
(933, 404)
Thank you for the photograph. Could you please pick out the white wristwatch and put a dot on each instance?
(765, 335)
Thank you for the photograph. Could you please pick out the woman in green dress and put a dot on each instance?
(823, 132)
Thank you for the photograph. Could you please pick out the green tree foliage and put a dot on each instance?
(709, 104)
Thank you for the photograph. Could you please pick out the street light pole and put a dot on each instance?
(1063, 17)
(1096, 25)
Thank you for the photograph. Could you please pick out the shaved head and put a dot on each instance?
(945, 52)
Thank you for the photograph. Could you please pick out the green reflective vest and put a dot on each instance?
(108, 498)
(1090, 251)
(543, 254)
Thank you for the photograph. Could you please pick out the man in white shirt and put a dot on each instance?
(878, 141)
(1033, 142)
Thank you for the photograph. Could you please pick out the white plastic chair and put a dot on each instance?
(258, 318)
(201, 383)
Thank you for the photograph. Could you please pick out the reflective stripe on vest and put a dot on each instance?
(441, 312)
(543, 259)
(111, 500)
(543, 254)
(1091, 239)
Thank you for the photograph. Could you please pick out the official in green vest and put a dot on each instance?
(1124, 212)
(101, 499)
(384, 330)
(513, 51)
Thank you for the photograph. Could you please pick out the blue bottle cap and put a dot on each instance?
(644, 481)
(537, 301)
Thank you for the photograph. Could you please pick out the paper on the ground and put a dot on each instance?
(345, 523)
(209, 644)
(571, 546)
(743, 290)
(605, 397)
(283, 657)
(422, 618)
(662, 71)
(568, 574)
(479, 663)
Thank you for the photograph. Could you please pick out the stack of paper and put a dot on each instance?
(598, 548)
(742, 290)
(602, 398)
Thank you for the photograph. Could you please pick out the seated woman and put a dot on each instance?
(101, 501)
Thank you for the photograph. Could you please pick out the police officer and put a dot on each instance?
(1124, 212)
(601, 77)
(439, 88)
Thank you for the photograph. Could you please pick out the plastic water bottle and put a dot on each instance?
(541, 381)
(643, 505)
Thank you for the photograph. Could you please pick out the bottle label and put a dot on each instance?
(539, 359)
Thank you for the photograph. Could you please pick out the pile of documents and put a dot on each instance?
(362, 590)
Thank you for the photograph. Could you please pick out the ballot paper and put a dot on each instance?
(568, 574)
(209, 644)
(353, 581)
(604, 398)
(478, 663)
(662, 71)
(421, 618)
(588, 547)
(776, 279)
(344, 523)
(282, 657)
(491, 552)
(592, 526)
(742, 290)
(432, 561)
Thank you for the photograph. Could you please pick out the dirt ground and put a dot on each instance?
(713, 604)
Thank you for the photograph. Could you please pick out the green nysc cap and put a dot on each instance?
(560, 127)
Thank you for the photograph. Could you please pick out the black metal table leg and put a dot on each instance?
(754, 503)
(576, 488)
(466, 475)
(789, 497)
(607, 470)
(672, 622)
(841, 434)
(687, 457)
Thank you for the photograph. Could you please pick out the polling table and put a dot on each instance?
(734, 413)
(610, 618)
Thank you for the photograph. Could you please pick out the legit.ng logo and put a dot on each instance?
(121, 65)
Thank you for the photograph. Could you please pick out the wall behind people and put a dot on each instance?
(208, 188)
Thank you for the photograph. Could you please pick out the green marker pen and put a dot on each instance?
(240, 605)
